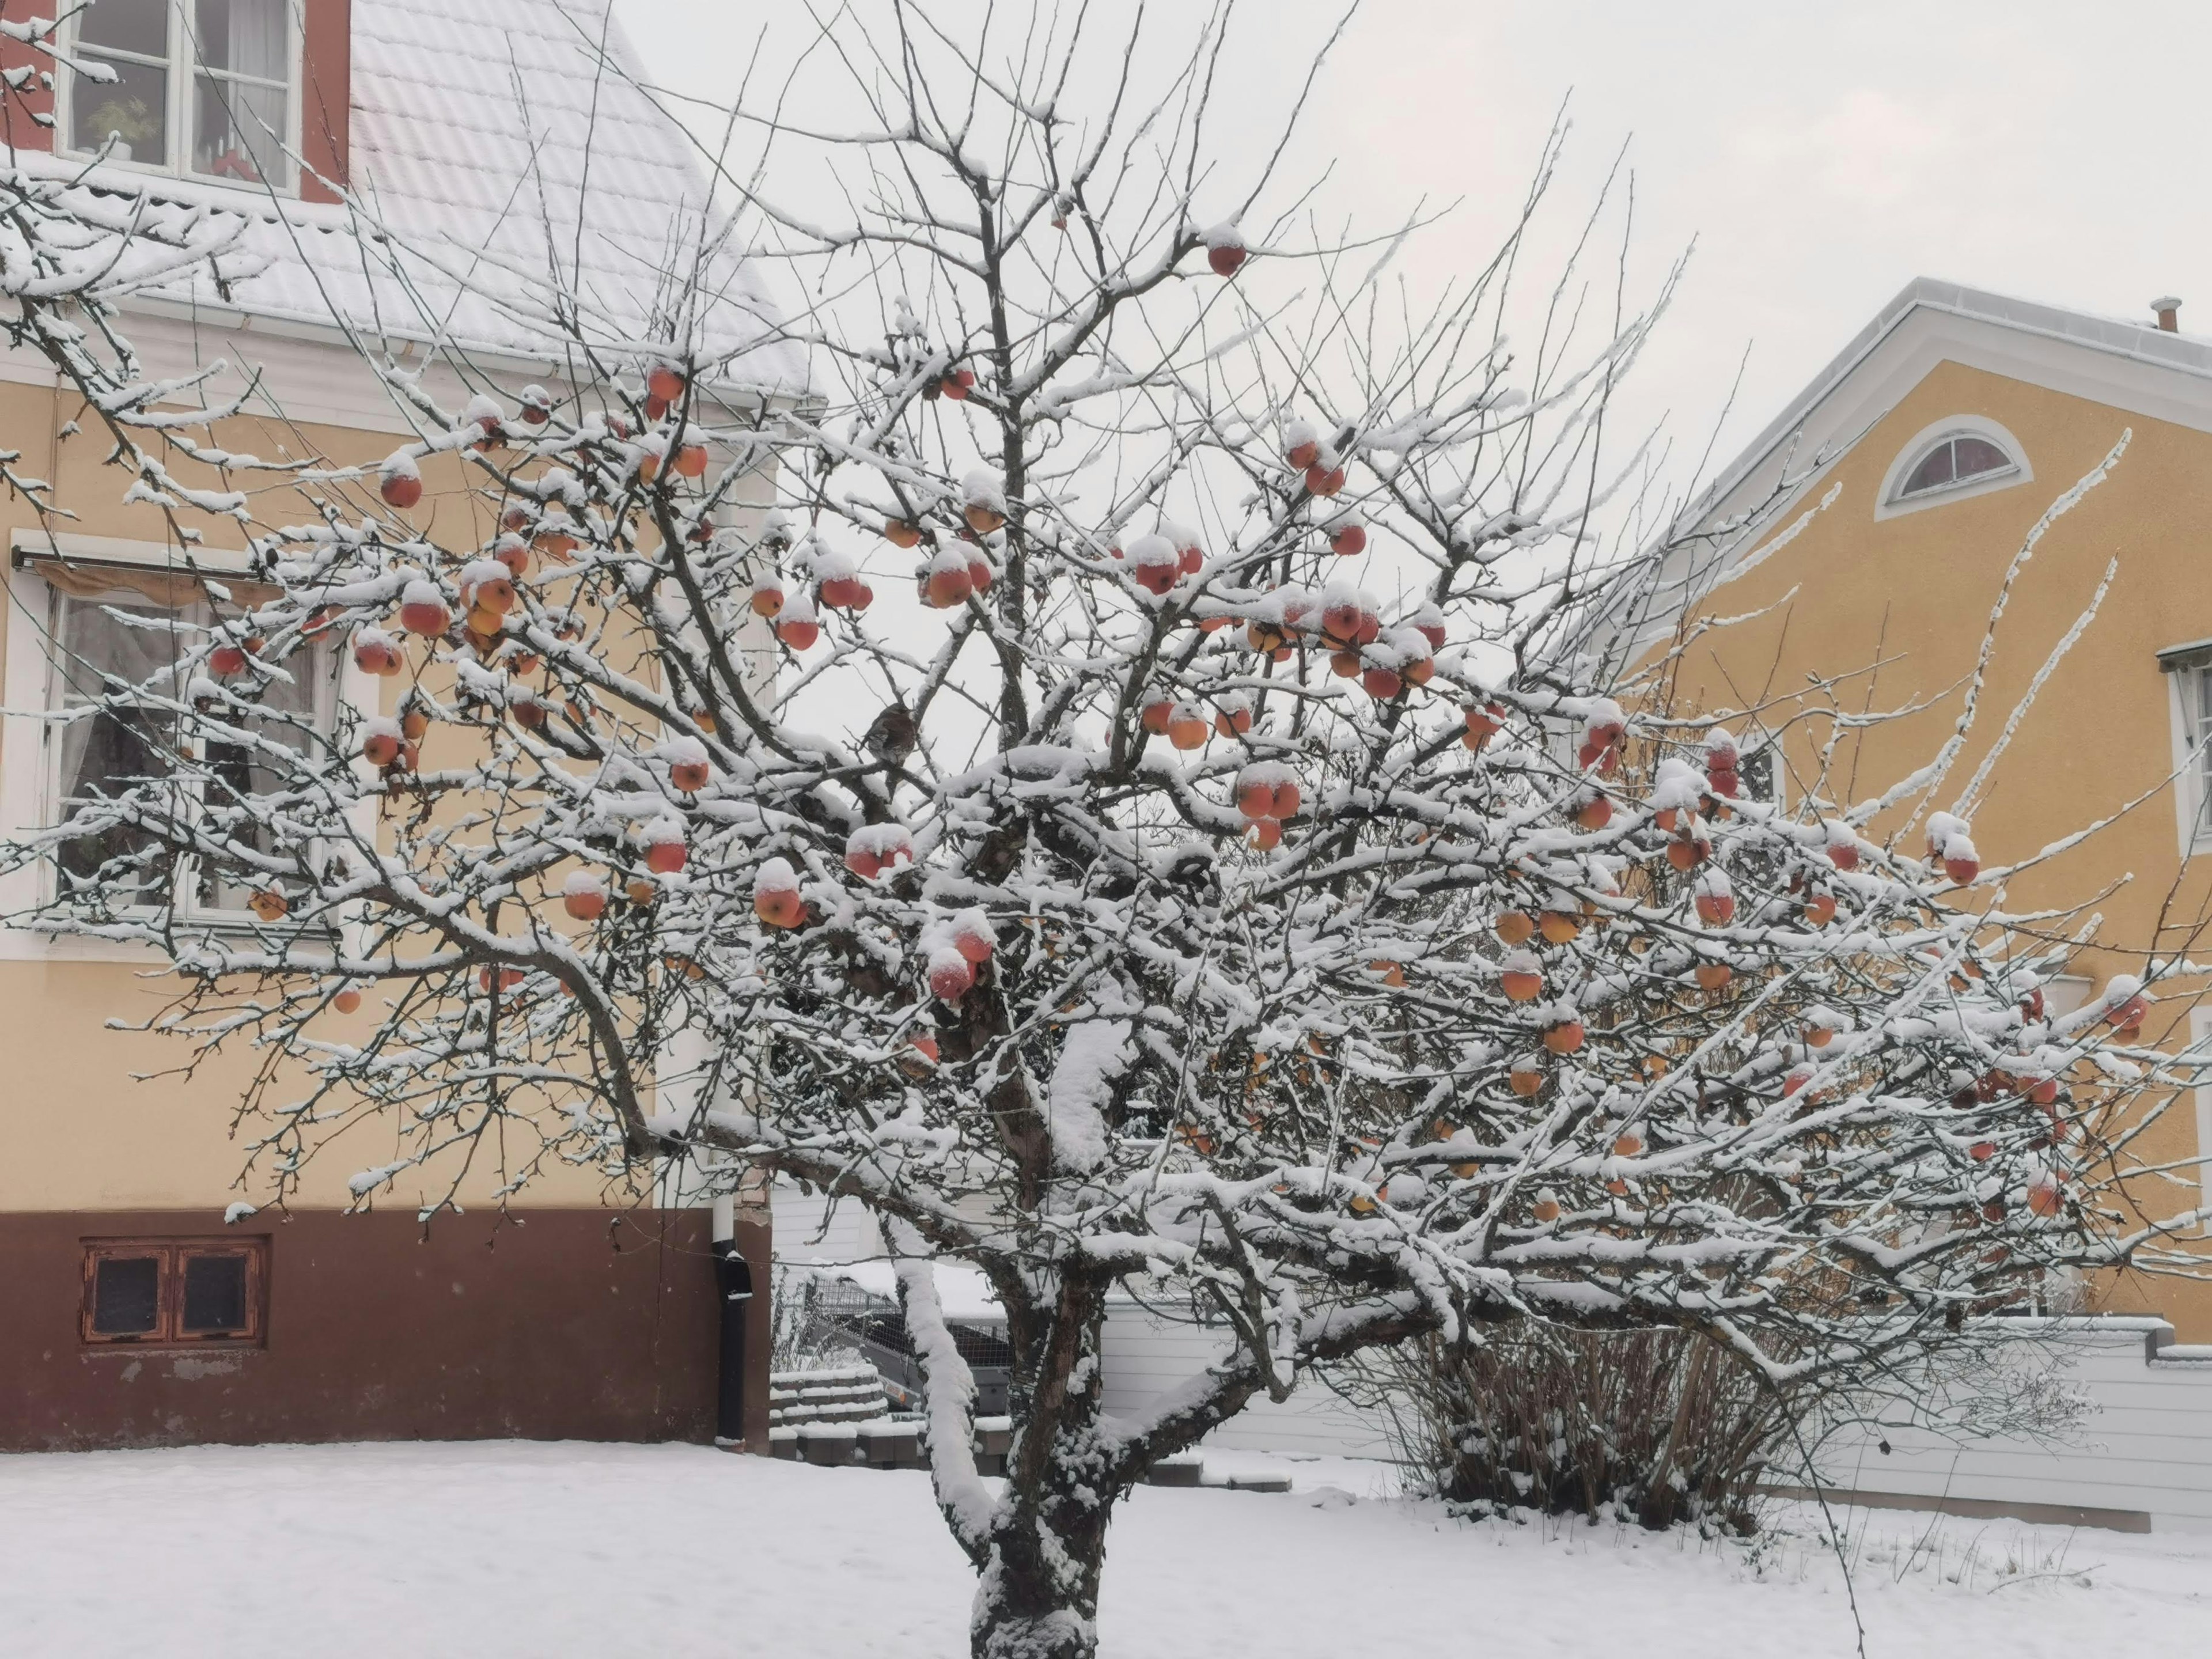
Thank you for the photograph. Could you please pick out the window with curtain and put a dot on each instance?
(109, 652)
(204, 87)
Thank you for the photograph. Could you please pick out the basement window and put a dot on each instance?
(174, 1292)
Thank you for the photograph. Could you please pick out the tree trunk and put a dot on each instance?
(1037, 1597)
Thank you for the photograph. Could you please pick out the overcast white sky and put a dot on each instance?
(1821, 155)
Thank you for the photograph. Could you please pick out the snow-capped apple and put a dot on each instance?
(400, 483)
(1232, 715)
(983, 501)
(422, 610)
(1716, 899)
(1187, 726)
(1484, 722)
(1347, 537)
(796, 625)
(974, 937)
(1526, 1076)
(951, 975)
(2044, 1195)
(1224, 250)
(1628, 1144)
(691, 460)
(665, 851)
(1264, 835)
(1564, 1037)
(347, 999)
(1516, 927)
(379, 741)
(665, 381)
(767, 597)
(1960, 862)
(1521, 976)
(776, 899)
(1820, 909)
(1301, 446)
(689, 769)
(949, 584)
(1153, 562)
(584, 895)
(1546, 1209)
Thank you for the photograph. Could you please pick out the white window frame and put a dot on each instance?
(30, 757)
(2200, 1025)
(2189, 719)
(183, 67)
(1891, 502)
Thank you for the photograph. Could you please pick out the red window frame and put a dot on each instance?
(173, 1257)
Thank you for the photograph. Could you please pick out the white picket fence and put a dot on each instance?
(2142, 1462)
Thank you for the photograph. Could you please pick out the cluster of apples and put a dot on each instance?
(1267, 796)
(1323, 470)
(796, 615)
(956, 953)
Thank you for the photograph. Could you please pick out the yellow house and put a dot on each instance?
(151, 1295)
(1861, 547)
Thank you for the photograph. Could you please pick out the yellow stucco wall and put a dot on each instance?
(1912, 593)
(79, 1132)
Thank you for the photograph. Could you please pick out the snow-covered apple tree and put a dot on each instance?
(1229, 879)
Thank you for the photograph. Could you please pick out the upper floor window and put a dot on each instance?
(115, 667)
(1964, 455)
(207, 87)
(1955, 461)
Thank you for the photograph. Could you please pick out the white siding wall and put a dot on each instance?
(1147, 1357)
(2145, 1451)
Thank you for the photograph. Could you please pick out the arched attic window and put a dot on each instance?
(1952, 462)
(1963, 456)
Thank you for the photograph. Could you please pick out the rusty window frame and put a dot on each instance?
(171, 1257)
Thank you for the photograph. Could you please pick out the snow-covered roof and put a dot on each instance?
(495, 141)
(962, 1292)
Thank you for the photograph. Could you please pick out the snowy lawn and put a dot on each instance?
(497, 1549)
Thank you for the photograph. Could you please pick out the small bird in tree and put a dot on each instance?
(892, 734)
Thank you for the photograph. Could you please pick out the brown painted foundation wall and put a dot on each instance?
(573, 1324)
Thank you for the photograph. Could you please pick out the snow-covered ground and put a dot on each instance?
(548, 1550)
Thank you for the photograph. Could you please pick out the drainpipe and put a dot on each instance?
(733, 1277)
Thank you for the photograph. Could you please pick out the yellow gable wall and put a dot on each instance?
(79, 1133)
(1913, 593)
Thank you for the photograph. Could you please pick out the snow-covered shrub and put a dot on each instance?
(1654, 1426)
